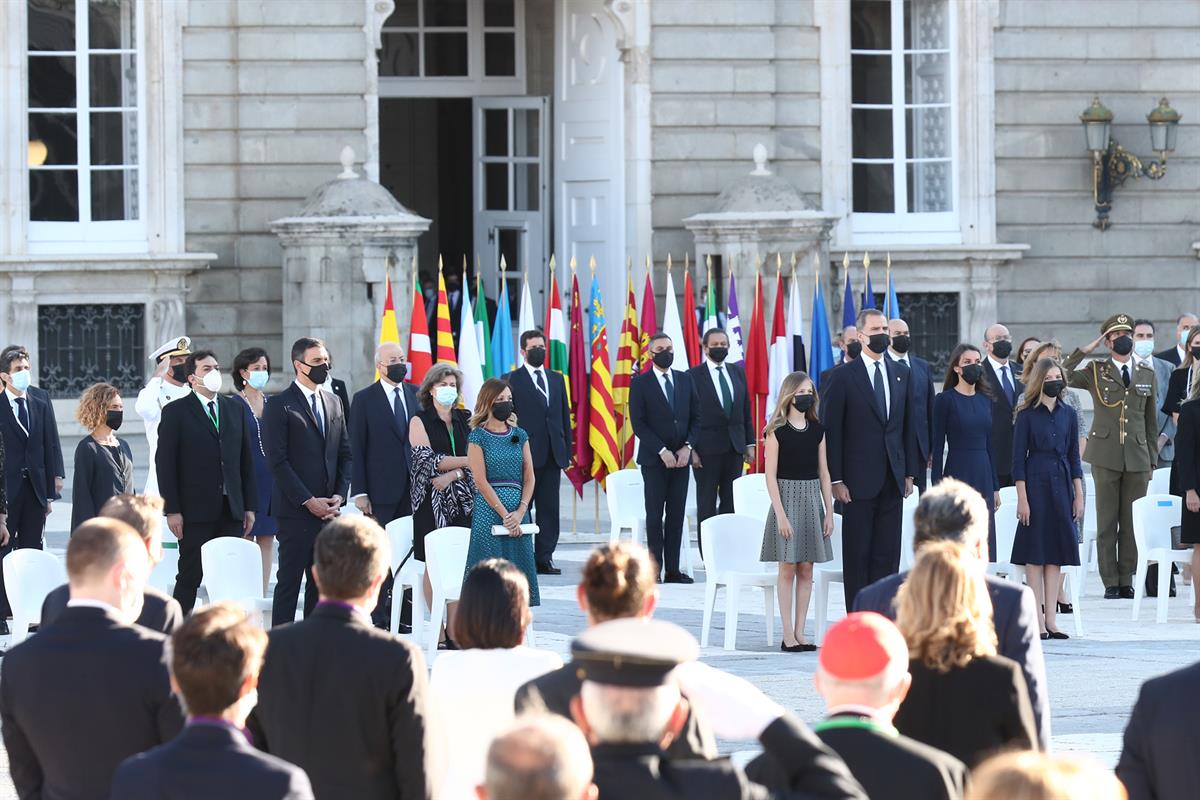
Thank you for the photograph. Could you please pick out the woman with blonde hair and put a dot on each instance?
(964, 699)
(800, 520)
(1037, 776)
(103, 463)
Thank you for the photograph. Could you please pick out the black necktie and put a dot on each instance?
(670, 390)
(212, 414)
(1125, 374)
(541, 382)
(1008, 385)
(726, 395)
(880, 395)
(317, 413)
(398, 409)
(23, 414)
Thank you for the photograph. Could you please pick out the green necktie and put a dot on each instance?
(212, 414)
(726, 394)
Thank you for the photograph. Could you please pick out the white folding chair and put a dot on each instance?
(30, 575)
(1160, 481)
(750, 497)
(825, 575)
(162, 576)
(445, 563)
(908, 530)
(1153, 517)
(625, 493)
(412, 574)
(732, 543)
(1075, 577)
(1089, 557)
(233, 571)
(59, 518)
(1006, 533)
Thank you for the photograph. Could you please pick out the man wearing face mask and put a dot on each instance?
(540, 399)
(923, 394)
(1122, 446)
(725, 436)
(1003, 377)
(167, 384)
(1143, 355)
(205, 470)
(851, 350)
(308, 448)
(35, 393)
(1183, 324)
(67, 727)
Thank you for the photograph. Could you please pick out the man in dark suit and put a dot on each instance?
(90, 690)
(851, 349)
(380, 449)
(1004, 377)
(338, 697)
(215, 660)
(954, 511)
(540, 399)
(725, 435)
(338, 387)
(665, 420)
(30, 438)
(1158, 760)
(923, 394)
(160, 612)
(871, 448)
(1183, 325)
(40, 393)
(205, 470)
(308, 448)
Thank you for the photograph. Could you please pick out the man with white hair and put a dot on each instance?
(540, 757)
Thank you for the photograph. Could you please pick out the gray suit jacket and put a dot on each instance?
(1162, 377)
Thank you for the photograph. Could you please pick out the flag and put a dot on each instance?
(388, 331)
(849, 315)
(556, 329)
(649, 324)
(579, 472)
(504, 357)
(629, 348)
(419, 354)
(444, 349)
(602, 424)
(525, 312)
(821, 343)
(483, 335)
(779, 349)
(893, 302)
(691, 333)
(733, 325)
(795, 327)
(469, 361)
(672, 326)
(710, 306)
(868, 300)
(757, 369)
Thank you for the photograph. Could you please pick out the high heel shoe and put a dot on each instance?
(1066, 608)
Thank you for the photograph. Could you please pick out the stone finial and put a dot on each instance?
(347, 159)
(760, 160)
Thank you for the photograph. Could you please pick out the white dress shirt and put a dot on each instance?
(1117, 365)
(533, 376)
(308, 399)
(204, 401)
(901, 359)
(100, 604)
(999, 367)
(716, 379)
(389, 391)
(869, 364)
(12, 402)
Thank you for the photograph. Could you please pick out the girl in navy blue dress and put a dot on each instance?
(1049, 481)
(962, 425)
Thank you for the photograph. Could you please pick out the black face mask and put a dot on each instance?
(1053, 388)
(113, 419)
(396, 372)
(878, 343)
(718, 354)
(536, 356)
(853, 349)
(901, 343)
(179, 373)
(318, 373)
(971, 373)
(803, 402)
(1123, 346)
(1002, 349)
(663, 359)
(502, 411)
(1195, 351)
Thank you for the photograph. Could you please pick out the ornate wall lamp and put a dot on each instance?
(1113, 164)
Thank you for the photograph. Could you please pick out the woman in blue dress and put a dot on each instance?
(962, 426)
(251, 371)
(1049, 481)
(499, 459)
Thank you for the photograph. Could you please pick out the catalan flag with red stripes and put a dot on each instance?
(602, 422)
(444, 343)
(629, 349)
(419, 356)
(649, 319)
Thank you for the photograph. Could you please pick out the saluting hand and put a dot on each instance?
(1091, 347)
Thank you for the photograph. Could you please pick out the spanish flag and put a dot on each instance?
(444, 349)
(388, 330)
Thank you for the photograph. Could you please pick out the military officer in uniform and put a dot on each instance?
(166, 384)
(1122, 446)
(640, 677)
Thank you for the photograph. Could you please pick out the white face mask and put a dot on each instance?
(21, 380)
(212, 380)
(445, 395)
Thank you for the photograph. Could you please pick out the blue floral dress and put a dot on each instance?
(503, 455)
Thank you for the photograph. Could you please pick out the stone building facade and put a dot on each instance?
(146, 148)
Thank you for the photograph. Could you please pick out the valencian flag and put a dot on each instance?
(579, 472)
(469, 361)
(691, 334)
(780, 345)
(629, 349)
(602, 423)
(388, 332)
(483, 335)
(733, 325)
(822, 343)
(445, 337)
(504, 357)
(757, 369)
(649, 324)
(419, 354)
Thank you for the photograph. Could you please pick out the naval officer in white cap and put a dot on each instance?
(166, 384)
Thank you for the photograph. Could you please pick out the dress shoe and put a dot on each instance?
(799, 647)
(1058, 635)
(1112, 593)
(677, 577)
(1126, 592)
(548, 568)
(1066, 608)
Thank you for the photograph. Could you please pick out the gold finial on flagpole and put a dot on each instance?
(592, 264)
(572, 265)
(686, 262)
(669, 265)
(816, 268)
(866, 261)
(778, 264)
(649, 267)
(503, 265)
(793, 265)
(439, 263)
(846, 261)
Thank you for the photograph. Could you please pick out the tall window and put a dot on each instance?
(903, 124)
(84, 120)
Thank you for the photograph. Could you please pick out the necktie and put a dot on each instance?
(316, 407)
(398, 408)
(212, 414)
(880, 395)
(726, 394)
(541, 384)
(669, 389)
(23, 414)
(1008, 385)
(1125, 374)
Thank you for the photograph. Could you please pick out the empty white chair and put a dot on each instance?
(750, 497)
(825, 575)
(1075, 578)
(1088, 555)
(349, 510)
(1153, 517)
(624, 492)
(233, 572)
(1160, 481)
(30, 575)
(162, 576)
(732, 543)
(908, 530)
(1006, 532)
(59, 518)
(412, 575)
(446, 564)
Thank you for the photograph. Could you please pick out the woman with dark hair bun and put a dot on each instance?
(251, 372)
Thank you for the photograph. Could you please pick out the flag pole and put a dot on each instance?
(867, 278)
(887, 303)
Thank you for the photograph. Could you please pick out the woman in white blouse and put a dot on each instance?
(472, 689)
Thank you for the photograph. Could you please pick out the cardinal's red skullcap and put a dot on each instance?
(861, 645)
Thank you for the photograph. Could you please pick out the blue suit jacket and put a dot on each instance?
(1015, 617)
(303, 462)
(379, 447)
(655, 422)
(922, 402)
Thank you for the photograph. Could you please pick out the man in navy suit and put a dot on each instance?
(1005, 379)
(380, 450)
(665, 419)
(540, 400)
(308, 448)
(954, 511)
(1158, 759)
(871, 447)
(30, 442)
(922, 385)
